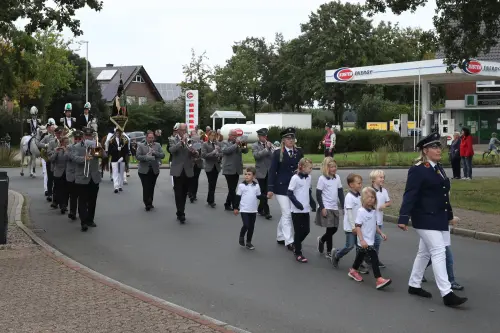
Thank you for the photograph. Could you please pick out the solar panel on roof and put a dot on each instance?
(106, 75)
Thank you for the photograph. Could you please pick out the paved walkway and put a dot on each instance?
(40, 294)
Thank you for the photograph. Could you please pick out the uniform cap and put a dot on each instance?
(263, 132)
(68, 107)
(176, 126)
(429, 140)
(77, 134)
(88, 131)
(288, 133)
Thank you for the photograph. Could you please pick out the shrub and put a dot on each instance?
(7, 157)
(347, 141)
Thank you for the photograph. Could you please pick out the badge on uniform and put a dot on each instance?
(427, 165)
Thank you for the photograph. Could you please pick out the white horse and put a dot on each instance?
(34, 152)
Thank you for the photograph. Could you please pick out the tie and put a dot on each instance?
(290, 153)
(213, 145)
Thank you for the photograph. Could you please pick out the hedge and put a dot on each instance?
(347, 141)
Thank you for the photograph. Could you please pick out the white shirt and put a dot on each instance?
(68, 121)
(249, 194)
(368, 221)
(300, 188)
(382, 198)
(354, 203)
(330, 187)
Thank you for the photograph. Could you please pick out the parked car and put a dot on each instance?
(138, 136)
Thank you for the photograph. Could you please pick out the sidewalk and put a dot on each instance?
(46, 292)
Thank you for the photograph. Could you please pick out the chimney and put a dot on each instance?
(109, 65)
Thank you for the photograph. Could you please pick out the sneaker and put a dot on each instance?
(380, 264)
(321, 245)
(249, 246)
(242, 241)
(362, 269)
(328, 255)
(335, 259)
(381, 282)
(456, 286)
(353, 274)
(300, 258)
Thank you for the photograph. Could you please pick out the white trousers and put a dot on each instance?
(285, 225)
(44, 171)
(171, 177)
(118, 173)
(432, 246)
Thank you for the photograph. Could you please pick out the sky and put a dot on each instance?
(159, 34)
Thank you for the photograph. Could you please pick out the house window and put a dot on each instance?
(138, 78)
(143, 100)
(130, 100)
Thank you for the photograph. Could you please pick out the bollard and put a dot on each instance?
(4, 204)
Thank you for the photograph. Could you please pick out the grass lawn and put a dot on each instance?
(480, 194)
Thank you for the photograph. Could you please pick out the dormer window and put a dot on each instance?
(138, 78)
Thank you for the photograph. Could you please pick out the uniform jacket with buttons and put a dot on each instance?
(232, 159)
(282, 171)
(263, 157)
(146, 161)
(209, 154)
(182, 158)
(426, 199)
(58, 159)
(78, 153)
(70, 166)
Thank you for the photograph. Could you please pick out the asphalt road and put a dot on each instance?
(201, 266)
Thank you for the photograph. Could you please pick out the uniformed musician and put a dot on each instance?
(87, 178)
(44, 144)
(284, 163)
(426, 201)
(68, 122)
(118, 148)
(169, 140)
(263, 152)
(232, 165)
(197, 167)
(86, 117)
(212, 155)
(181, 169)
(70, 176)
(149, 155)
(58, 157)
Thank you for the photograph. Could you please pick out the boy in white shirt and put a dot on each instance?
(247, 201)
(352, 203)
(383, 201)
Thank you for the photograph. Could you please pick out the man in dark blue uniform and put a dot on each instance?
(283, 166)
(426, 201)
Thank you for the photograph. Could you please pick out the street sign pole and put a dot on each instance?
(4, 204)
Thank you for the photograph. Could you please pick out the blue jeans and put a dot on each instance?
(350, 241)
(467, 165)
(449, 264)
(378, 241)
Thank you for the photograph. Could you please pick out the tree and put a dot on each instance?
(41, 15)
(465, 28)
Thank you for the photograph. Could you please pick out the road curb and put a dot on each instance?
(479, 235)
(214, 324)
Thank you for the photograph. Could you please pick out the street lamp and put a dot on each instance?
(86, 42)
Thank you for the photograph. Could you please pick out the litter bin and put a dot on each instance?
(4, 204)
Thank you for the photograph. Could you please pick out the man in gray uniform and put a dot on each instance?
(87, 185)
(70, 176)
(181, 169)
(263, 153)
(232, 166)
(58, 157)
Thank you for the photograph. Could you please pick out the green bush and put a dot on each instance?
(347, 141)
(7, 157)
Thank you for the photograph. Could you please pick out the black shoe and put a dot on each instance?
(249, 246)
(191, 199)
(92, 224)
(182, 219)
(63, 211)
(261, 213)
(381, 265)
(120, 189)
(228, 207)
(453, 300)
(424, 279)
(241, 241)
(72, 216)
(46, 193)
(152, 206)
(212, 204)
(116, 191)
(53, 205)
(84, 227)
(269, 216)
(290, 247)
(321, 245)
(419, 292)
(280, 242)
(49, 198)
(148, 208)
(456, 286)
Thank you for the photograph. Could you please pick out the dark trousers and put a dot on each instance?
(87, 200)
(232, 183)
(50, 179)
(360, 256)
(148, 181)
(328, 236)
(248, 225)
(263, 205)
(212, 184)
(61, 191)
(193, 183)
(301, 227)
(181, 186)
(455, 166)
(329, 153)
(73, 197)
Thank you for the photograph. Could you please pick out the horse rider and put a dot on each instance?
(33, 124)
(68, 122)
(44, 144)
(86, 117)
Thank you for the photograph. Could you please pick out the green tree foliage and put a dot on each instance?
(465, 28)
(375, 108)
(155, 116)
(43, 14)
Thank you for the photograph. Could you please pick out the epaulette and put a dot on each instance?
(61, 120)
(418, 163)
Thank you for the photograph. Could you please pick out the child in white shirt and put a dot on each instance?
(299, 193)
(247, 201)
(383, 201)
(367, 226)
(329, 193)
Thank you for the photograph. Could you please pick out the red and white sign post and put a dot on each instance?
(191, 109)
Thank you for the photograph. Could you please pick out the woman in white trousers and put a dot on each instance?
(426, 201)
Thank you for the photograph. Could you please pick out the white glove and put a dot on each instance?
(120, 160)
(46, 145)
